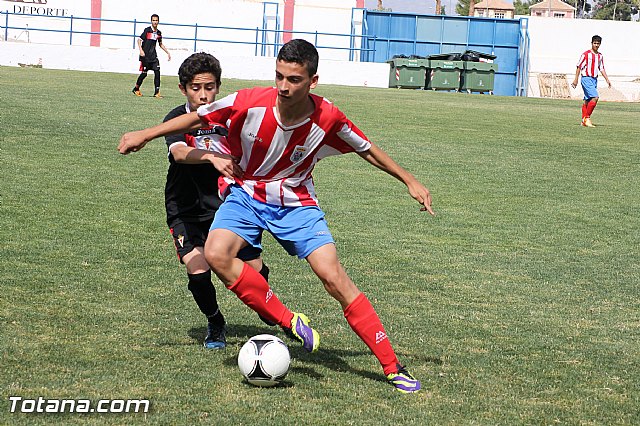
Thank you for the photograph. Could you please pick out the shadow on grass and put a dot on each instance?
(327, 356)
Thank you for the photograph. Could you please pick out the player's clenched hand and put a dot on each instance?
(421, 194)
(227, 166)
(132, 142)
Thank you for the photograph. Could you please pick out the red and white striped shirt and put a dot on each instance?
(278, 160)
(590, 63)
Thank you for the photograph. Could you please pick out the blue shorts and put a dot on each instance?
(589, 87)
(299, 230)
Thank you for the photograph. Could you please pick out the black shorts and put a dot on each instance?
(149, 65)
(189, 235)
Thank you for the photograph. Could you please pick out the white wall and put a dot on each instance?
(326, 17)
(119, 54)
(85, 58)
(556, 46)
(310, 16)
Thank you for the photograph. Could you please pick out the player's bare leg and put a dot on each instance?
(221, 248)
(360, 315)
(326, 265)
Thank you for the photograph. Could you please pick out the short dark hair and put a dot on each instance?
(301, 52)
(155, 15)
(596, 38)
(199, 63)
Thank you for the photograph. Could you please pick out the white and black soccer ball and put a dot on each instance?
(264, 360)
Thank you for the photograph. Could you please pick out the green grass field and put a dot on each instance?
(517, 304)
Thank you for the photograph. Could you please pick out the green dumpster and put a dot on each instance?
(408, 73)
(444, 74)
(478, 77)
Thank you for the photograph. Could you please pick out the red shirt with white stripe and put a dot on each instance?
(590, 63)
(278, 160)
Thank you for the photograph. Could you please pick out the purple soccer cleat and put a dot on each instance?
(404, 381)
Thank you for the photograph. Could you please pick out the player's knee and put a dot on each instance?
(338, 284)
(213, 259)
(217, 257)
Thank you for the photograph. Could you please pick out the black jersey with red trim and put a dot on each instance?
(149, 40)
(191, 191)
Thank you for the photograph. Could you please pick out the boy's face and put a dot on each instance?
(293, 82)
(154, 22)
(595, 45)
(201, 90)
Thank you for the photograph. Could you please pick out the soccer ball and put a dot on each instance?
(264, 360)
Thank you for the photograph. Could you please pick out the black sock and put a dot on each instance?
(141, 78)
(204, 293)
(265, 272)
(156, 79)
(216, 318)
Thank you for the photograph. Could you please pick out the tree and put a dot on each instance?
(522, 6)
(583, 7)
(462, 8)
(617, 10)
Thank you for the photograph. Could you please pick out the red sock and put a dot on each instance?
(365, 322)
(254, 291)
(590, 107)
(584, 110)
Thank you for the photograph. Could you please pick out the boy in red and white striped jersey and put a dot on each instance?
(279, 134)
(590, 63)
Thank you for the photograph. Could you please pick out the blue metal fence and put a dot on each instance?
(390, 34)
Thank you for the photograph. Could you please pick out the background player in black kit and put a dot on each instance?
(191, 191)
(148, 56)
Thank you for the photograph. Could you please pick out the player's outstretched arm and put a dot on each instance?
(134, 141)
(381, 160)
(224, 163)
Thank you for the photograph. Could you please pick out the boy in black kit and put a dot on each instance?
(148, 56)
(191, 191)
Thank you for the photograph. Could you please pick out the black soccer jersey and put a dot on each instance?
(149, 39)
(191, 192)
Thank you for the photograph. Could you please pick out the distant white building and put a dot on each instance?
(494, 9)
(553, 9)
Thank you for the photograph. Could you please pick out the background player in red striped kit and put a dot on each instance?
(280, 133)
(591, 62)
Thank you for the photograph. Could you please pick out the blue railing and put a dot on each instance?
(522, 85)
(261, 40)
